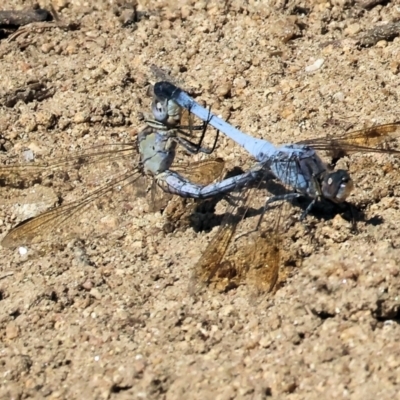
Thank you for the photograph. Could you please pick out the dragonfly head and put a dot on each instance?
(166, 111)
(337, 185)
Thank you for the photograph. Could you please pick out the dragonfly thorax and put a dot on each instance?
(336, 186)
(157, 151)
(297, 166)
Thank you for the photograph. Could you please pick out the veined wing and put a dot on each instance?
(253, 257)
(96, 213)
(112, 170)
(25, 174)
(202, 172)
(364, 140)
(163, 75)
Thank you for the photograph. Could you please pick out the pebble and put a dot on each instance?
(316, 66)
(22, 250)
(87, 285)
(339, 96)
(81, 117)
(60, 4)
(352, 29)
(95, 293)
(45, 119)
(394, 67)
(12, 330)
(71, 49)
(185, 12)
(28, 122)
(28, 155)
(46, 47)
(240, 83)
(224, 89)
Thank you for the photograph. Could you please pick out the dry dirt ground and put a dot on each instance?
(112, 317)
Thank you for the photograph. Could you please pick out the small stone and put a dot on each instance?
(139, 366)
(128, 16)
(60, 4)
(224, 89)
(227, 310)
(28, 155)
(339, 96)
(287, 113)
(92, 34)
(22, 251)
(88, 285)
(185, 12)
(25, 67)
(316, 66)
(46, 47)
(81, 117)
(45, 119)
(200, 5)
(265, 341)
(352, 29)
(240, 83)
(30, 383)
(394, 67)
(12, 330)
(95, 293)
(33, 146)
(28, 121)
(165, 25)
(382, 43)
(71, 49)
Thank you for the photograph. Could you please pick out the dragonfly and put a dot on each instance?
(115, 171)
(301, 172)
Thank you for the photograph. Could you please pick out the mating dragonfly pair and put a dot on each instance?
(297, 167)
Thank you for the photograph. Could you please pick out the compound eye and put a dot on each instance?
(337, 186)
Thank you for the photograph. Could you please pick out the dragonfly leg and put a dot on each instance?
(194, 148)
(353, 213)
(308, 209)
(204, 132)
(283, 197)
(346, 206)
(315, 179)
(197, 147)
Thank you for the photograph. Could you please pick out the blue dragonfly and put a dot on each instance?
(297, 167)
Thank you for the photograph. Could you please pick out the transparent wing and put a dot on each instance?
(253, 257)
(26, 174)
(375, 139)
(93, 191)
(162, 75)
(209, 268)
(96, 213)
(202, 172)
